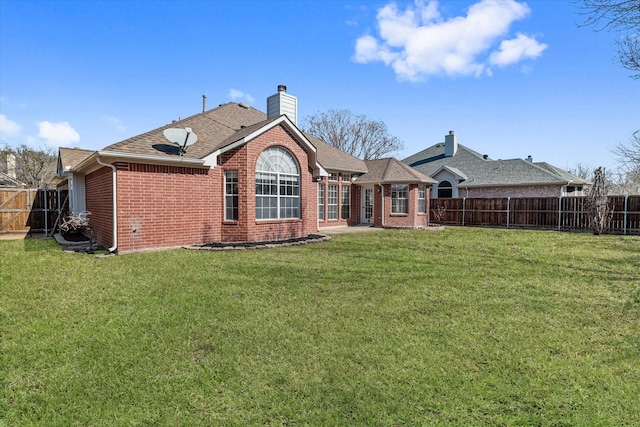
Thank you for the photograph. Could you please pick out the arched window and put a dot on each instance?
(277, 185)
(445, 189)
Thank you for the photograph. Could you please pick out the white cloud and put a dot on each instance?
(59, 134)
(8, 128)
(418, 42)
(515, 50)
(115, 122)
(238, 95)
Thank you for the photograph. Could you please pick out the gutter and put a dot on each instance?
(113, 248)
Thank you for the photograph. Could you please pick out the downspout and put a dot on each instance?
(113, 248)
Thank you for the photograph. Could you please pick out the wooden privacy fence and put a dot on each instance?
(545, 213)
(28, 210)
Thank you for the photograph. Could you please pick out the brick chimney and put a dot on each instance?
(283, 103)
(450, 144)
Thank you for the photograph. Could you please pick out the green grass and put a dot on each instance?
(391, 328)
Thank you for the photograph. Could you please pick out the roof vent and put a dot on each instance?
(485, 156)
(243, 105)
(529, 159)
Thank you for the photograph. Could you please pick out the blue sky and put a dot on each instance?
(510, 78)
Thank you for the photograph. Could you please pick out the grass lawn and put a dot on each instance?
(462, 327)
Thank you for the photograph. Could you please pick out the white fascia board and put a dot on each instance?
(90, 164)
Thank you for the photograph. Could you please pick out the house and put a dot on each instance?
(462, 172)
(239, 175)
(9, 178)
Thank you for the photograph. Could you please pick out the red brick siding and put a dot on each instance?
(165, 206)
(99, 201)
(258, 230)
(356, 205)
(411, 219)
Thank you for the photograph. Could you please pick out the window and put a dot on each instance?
(572, 190)
(345, 177)
(346, 200)
(422, 199)
(231, 195)
(321, 201)
(277, 185)
(333, 177)
(445, 189)
(333, 202)
(399, 198)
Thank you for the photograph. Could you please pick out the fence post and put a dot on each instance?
(559, 213)
(46, 212)
(464, 202)
(508, 210)
(626, 208)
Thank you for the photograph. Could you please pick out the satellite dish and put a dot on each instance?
(181, 137)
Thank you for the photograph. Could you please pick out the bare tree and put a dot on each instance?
(597, 203)
(33, 167)
(355, 134)
(583, 170)
(627, 178)
(618, 15)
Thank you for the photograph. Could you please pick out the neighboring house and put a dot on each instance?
(462, 172)
(7, 180)
(249, 177)
(66, 180)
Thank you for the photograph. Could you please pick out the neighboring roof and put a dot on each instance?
(387, 171)
(573, 179)
(481, 171)
(70, 157)
(333, 159)
(9, 181)
(460, 176)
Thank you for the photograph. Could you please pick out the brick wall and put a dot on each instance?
(266, 229)
(412, 219)
(99, 201)
(165, 206)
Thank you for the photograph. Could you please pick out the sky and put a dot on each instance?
(511, 78)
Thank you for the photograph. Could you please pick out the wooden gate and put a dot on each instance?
(28, 210)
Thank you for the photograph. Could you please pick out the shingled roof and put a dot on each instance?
(388, 171)
(481, 171)
(69, 157)
(333, 159)
(215, 129)
(220, 127)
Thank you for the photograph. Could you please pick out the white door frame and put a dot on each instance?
(368, 192)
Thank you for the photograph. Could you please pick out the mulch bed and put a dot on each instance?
(220, 246)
